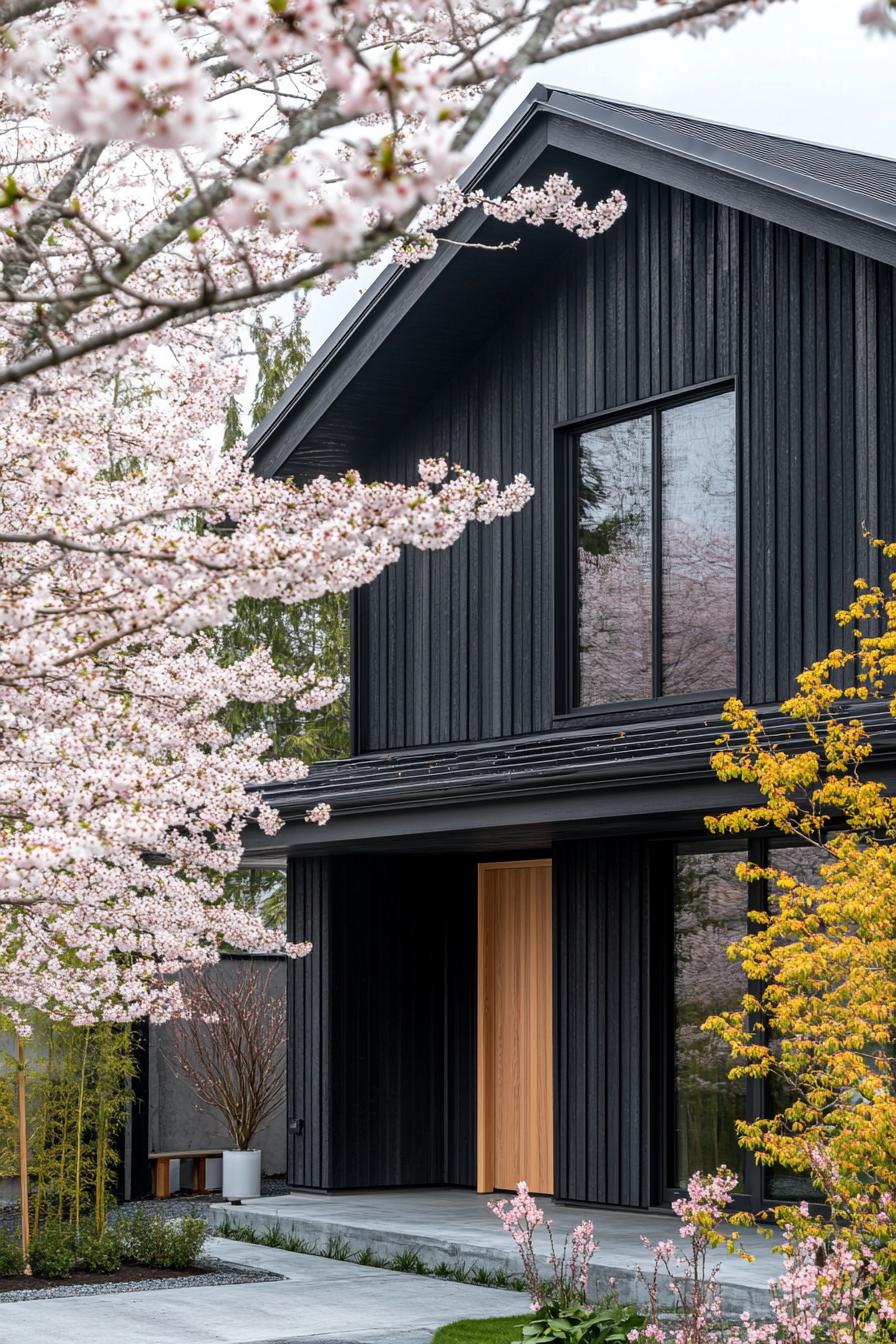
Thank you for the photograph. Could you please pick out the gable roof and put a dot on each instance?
(837, 195)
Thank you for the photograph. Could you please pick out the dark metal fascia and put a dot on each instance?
(735, 163)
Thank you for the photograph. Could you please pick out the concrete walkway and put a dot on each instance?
(457, 1225)
(318, 1300)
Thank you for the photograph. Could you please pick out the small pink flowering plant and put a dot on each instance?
(832, 1289)
(521, 1217)
(693, 1294)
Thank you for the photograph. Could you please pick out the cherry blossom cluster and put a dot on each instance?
(319, 815)
(707, 1202)
(826, 1291)
(169, 159)
(127, 533)
(557, 202)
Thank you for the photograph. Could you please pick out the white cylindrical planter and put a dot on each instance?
(242, 1174)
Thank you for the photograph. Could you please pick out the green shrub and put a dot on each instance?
(11, 1260)
(101, 1255)
(584, 1323)
(300, 1245)
(53, 1253)
(173, 1243)
(368, 1256)
(407, 1262)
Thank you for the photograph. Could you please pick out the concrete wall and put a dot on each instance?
(175, 1117)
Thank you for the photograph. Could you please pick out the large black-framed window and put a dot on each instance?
(648, 544)
(709, 910)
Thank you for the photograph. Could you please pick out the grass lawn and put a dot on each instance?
(497, 1330)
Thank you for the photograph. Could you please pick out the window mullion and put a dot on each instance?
(656, 601)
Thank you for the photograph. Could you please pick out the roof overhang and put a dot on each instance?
(654, 777)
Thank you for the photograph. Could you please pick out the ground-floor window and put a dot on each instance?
(710, 913)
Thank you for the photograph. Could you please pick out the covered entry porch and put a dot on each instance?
(453, 1226)
(472, 1020)
(386, 1015)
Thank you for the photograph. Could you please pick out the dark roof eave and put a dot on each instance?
(853, 204)
(561, 777)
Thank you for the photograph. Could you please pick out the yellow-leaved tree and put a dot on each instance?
(820, 1016)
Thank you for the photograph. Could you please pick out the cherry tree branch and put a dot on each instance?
(112, 258)
(179, 312)
(16, 267)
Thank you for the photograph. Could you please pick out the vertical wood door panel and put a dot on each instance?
(515, 1048)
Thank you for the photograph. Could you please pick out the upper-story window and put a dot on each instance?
(656, 553)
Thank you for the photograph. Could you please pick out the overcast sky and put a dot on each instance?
(805, 69)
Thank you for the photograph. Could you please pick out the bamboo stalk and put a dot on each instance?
(65, 1104)
(79, 1140)
(23, 1151)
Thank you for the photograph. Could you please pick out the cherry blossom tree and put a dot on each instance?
(168, 165)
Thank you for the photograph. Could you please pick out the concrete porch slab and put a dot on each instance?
(456, 1225)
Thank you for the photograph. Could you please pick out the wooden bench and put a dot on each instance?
(161, 1169)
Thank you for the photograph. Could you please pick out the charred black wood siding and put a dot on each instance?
(681, 292)
(308, 997)
(816, 377)
(603, 1022)
(383, 1069)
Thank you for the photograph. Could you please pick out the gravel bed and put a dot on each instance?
(223, 1272)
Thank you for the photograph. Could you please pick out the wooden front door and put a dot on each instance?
(515, 1130)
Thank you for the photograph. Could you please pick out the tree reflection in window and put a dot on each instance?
(779, 1183)
(656, 553)
(698, 546)
(710, 915)
(615, 603)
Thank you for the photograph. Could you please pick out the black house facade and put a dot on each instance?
(519, 918)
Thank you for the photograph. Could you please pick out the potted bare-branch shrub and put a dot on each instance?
(233, 1050)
